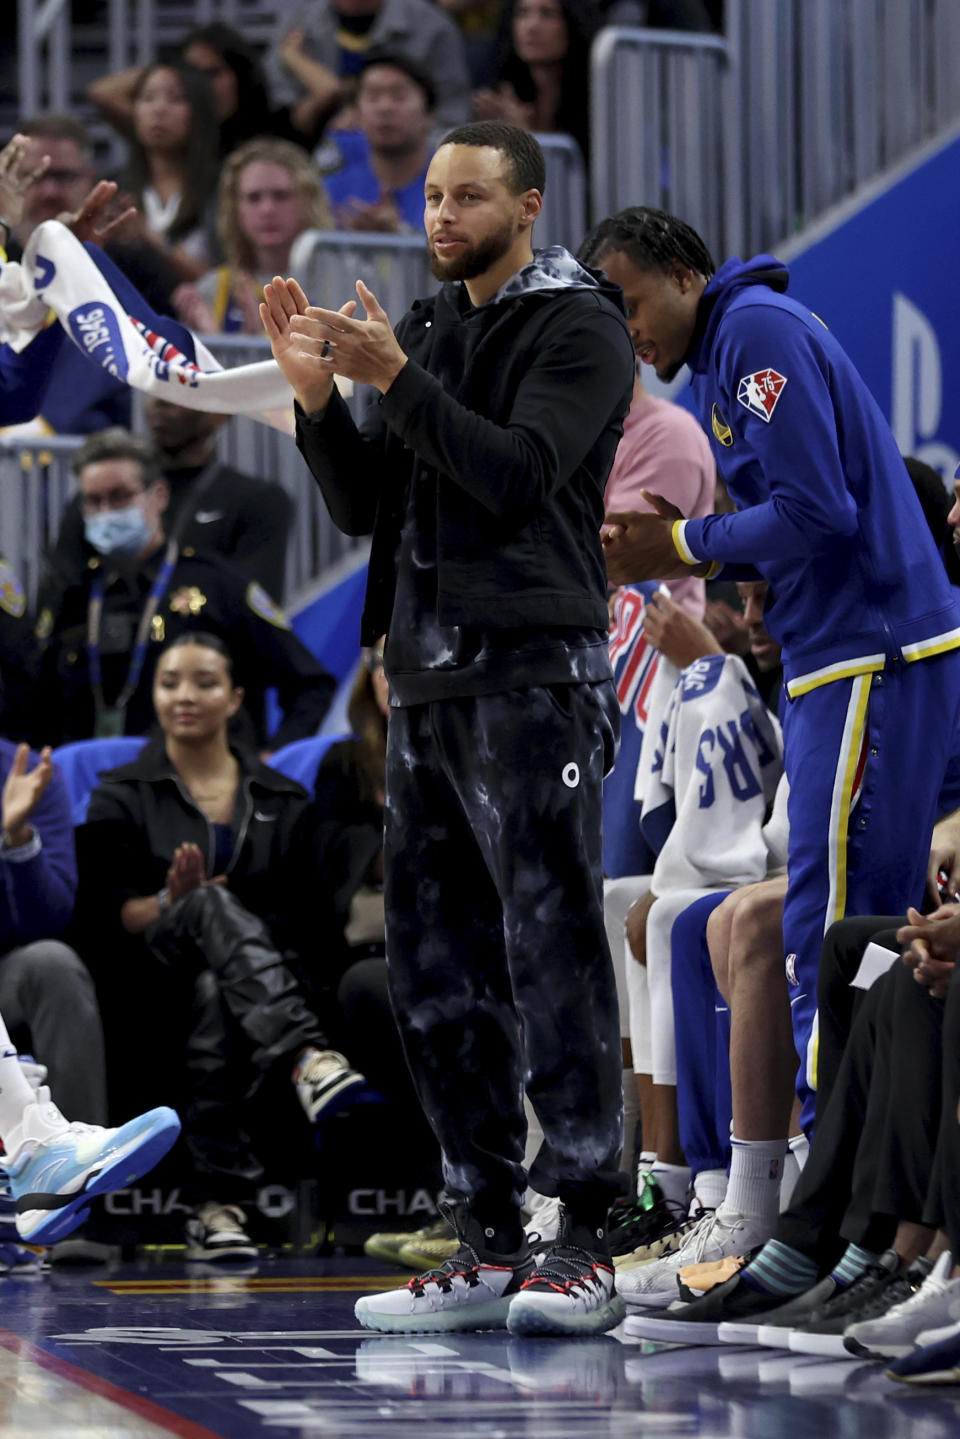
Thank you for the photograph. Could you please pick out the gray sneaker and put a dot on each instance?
(894, 1334)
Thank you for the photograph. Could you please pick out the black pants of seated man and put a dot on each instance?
(838, 1002)
(872, 1156)
(244, 1017)
(943, 1203)
(500, 974)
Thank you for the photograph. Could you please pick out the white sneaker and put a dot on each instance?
(216, 1231)
(572, 1289)
(471, 1291)
(894, 1334)
(55, 1168)
(719, 1234)
(544, 1223)
(325, 1083)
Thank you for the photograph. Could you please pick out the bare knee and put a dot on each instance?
(756, 936)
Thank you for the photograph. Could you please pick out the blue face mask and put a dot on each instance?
(118, 532)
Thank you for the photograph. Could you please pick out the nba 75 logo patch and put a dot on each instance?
(760, 392)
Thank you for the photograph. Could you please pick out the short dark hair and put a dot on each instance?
(116, 443)
(522, 152)
(60, 127)
(407, 67)
(650, 239)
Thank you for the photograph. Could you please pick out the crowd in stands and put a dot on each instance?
(248, 905)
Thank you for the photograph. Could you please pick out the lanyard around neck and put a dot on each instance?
(139, 655)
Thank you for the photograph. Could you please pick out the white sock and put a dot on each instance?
(709, 1187)
(673, 1179)
(756, 1169)
(15, 1091)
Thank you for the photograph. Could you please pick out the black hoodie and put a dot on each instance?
(484, 465)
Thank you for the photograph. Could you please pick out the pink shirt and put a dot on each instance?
(665, 451)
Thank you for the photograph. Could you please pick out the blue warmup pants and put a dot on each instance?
(867, 759)
(702, 1030)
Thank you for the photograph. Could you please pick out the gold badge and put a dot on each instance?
(44, 624)
(266, 608)
(721, 429)
(188, 600)
(13, 601)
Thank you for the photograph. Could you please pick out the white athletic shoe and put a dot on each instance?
(894, 1333)
(719, 1234)
(572, 1289)
(471, 1291)
(54, 1168)
(543, 1225)
(216, 1231)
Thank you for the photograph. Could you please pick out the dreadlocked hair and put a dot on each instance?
(650, 239)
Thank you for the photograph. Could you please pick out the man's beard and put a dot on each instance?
(475, 259)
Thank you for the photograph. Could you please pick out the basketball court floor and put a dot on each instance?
(161, 1347)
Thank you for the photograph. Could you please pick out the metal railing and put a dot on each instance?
(563, 219)
(43, 55)
(753, 135)
(657, 101)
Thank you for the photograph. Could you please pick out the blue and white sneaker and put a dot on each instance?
(15, 1256)
(55, 1168)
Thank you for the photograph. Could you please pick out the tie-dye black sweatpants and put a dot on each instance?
(499, 969)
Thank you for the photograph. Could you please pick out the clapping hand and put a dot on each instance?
(22, 792)
(188, 872)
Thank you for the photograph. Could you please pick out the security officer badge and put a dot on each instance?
(187, 600)
(721, 429)
(13, 600)
(264, 607)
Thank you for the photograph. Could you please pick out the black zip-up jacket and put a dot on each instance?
(142, 811)
(520, 451)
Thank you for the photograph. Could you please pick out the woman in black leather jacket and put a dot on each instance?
(204, 852)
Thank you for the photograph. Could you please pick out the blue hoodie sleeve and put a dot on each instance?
(790, 459)
(38, 892)
(24, 376)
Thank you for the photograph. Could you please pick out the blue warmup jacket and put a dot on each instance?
(80, 385)
(827, 514)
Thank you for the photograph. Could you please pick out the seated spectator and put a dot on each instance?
(103, 623)
(269, 193)
(479, 20)
(64, 183)
(380, 187)
(46, 993)
(319, 51)
(858, 1241)
(202, 855)
(688, 864)
(542, 81)
(172, 165)
(78, 398)
(233, 68)
(212, 506)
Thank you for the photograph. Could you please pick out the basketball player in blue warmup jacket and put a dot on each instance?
(826, 514)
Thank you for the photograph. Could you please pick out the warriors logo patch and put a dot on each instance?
(760, 392)
(721, 429)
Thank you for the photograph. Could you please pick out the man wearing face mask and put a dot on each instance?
(102, 623)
